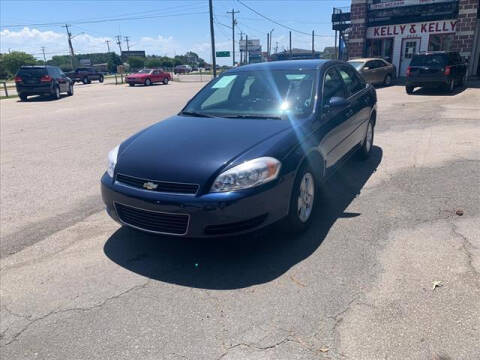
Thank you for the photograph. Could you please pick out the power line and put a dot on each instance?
(278, 23)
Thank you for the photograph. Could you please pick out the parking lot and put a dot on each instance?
(389, 269)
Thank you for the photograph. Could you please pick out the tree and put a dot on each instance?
(113, 61)
(136, 62)
(153, 62)
(11, 62)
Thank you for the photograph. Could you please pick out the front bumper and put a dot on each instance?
(211, 214)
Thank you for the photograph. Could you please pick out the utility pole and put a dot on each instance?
(247, 58)
(108, 45)
(128, 45)
(212, 38)
(234, 22)
(44, 58)
(119, 43)
(336, 55)
(270, 42)
(72, 54)
(313, 44)
(276, 47)
(268, 45)
(290, 45)
(241, 52)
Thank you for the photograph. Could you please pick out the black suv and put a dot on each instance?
(42, 80)
(435, 69)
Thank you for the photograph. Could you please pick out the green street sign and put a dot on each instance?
(222, 53)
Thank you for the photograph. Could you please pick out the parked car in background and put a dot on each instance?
(436, 69)
(42, 80)
(375, 70)
(251, 148)
(86, 75)
(148, 76)
(182, 69)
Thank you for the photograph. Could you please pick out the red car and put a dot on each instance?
(148, 76)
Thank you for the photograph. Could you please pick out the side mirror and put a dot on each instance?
(337, 101)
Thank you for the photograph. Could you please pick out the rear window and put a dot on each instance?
(429, 60)
(32, 71)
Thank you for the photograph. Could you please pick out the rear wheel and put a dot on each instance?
(367, 144)
(85, 80)
(56, 93)
(22, 97)
(70, 90)
(100, 79)
(409, 89)
(303, 201)
(148, 82)
(165, 81)
(388, 80)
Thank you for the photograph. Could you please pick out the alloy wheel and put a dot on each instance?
(306, 197)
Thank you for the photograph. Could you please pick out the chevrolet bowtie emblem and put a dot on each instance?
(150, 185)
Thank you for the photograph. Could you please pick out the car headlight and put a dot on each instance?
(112, 160)
(249, 174)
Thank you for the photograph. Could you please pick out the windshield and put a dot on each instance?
(356, 64)
(257, 93)
(32, 72)
(144, 71)
(429, 60)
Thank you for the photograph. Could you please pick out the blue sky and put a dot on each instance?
(162, 27)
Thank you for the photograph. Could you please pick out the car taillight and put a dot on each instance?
(46, 78)
(448, 70)
(409, 71)
(18, 79)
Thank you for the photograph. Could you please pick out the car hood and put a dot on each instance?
(192, 149)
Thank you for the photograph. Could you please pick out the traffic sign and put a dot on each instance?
(223, 54)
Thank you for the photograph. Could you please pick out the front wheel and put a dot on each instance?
(148, 82)
(367, 143)
(85, 80)
(165, 81)
(22, 97)
(303, 201)
(100, 79)
(388, 80)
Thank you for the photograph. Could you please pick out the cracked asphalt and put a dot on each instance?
(359, 284)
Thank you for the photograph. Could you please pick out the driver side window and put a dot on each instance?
(333, 86)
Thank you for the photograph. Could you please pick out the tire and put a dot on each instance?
(367, 144)
(100, 79)
(451, 86)
(131, 84)
(409, 89)
(56, 93)
(70, 90)
(22, 97)
(303, 201)
(147, 82)
(388, 80)
(165, 81)
(85, 80)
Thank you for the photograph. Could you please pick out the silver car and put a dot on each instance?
(375, 70)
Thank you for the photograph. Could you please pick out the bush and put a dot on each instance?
(136, 62)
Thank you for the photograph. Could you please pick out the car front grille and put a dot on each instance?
(153, 221)
(158, 186)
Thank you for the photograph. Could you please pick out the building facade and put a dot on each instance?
(397, 29)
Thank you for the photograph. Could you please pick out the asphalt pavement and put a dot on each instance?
(390, 268)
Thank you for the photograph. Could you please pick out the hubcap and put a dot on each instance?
(306, 197)
(369, 139)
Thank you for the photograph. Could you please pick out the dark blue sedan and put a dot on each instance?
(248, 150)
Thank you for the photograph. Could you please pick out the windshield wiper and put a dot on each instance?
(253, 117)
(197, 114)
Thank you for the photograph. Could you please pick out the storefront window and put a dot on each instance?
(380, 48)
(441, 42)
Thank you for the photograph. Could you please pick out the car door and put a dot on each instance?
(332, 128)
(369, 71)
(381, 71)
(155, 76)
(359, 106)
(64, 87)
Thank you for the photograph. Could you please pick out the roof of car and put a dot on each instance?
(283, 65)
(367, 59)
